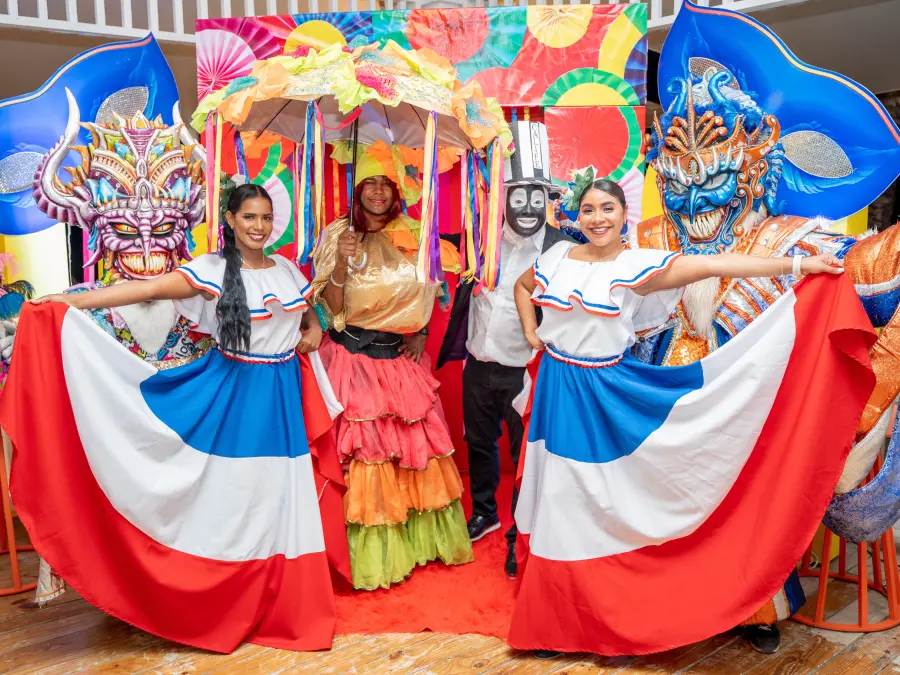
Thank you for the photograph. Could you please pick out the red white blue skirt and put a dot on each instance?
(182, 501)
(661, 506)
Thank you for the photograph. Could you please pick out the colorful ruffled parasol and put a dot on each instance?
(388, 98)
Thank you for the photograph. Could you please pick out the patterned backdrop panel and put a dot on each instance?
(582, 69)
(582, 55)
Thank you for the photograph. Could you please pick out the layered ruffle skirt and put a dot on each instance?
(402, 504)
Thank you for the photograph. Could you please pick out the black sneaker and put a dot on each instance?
(478, 526)
(511, 567)
(545, 654)
(764, 639)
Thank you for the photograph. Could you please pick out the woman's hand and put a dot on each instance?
(347, 245)
(821, 264)
(534, 340)
(311, 339)
(66, 299)
(413, 346)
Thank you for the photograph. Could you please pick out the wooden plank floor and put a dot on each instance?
(70, 636)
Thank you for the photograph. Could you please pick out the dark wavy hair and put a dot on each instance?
(232, 310)
(610, 187)
(359, 214)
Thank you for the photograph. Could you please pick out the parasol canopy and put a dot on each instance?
(390, 90)
(372, 95)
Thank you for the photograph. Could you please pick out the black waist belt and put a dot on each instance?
(375, 344)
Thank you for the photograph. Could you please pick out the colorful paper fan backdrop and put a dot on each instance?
(402, 86)
(536, 46)
(227, 49)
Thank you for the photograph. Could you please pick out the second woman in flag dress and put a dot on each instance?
(599, 480)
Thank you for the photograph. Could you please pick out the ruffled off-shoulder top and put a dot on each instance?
(277, 298)
(597, 313)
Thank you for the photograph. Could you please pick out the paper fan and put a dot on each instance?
(623, 50)
(589, 86)
(279, 27)
(321, 29)
(608, 138)
(227, 49)
(559, 26)
(510, 87)
(455, 42)
(221, 58)
(633, 185)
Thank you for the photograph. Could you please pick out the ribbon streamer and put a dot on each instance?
(319, 178)
(429, 236)
(305, 226)
(239, 156)
(213, 142)
(472, 248)
(209, 144)
(297, 202)
(493, 230)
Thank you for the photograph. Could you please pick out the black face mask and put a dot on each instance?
(526, 208)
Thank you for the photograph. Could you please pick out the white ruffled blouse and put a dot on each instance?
(597, 312)
(277, 298)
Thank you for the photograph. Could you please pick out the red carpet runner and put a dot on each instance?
(473, 598)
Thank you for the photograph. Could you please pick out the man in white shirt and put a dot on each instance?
(497, 350)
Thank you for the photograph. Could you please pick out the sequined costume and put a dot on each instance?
(736, 177)
(403, 488)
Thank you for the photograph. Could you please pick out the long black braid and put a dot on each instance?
(232, 310)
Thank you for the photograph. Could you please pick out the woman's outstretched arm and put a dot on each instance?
(171, 286)
(687, 269)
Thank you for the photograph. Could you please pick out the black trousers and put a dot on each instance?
(488, 393)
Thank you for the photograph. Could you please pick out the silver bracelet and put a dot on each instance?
(796, 266)
(333, 282)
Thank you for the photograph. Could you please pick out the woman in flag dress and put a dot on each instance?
(215, 535)
(403, 488)
(592, 403)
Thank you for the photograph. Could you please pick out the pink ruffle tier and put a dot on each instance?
(392, 411)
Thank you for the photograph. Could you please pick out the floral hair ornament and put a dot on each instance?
(582, 179)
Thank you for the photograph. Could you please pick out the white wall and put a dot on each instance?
(860, 41)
